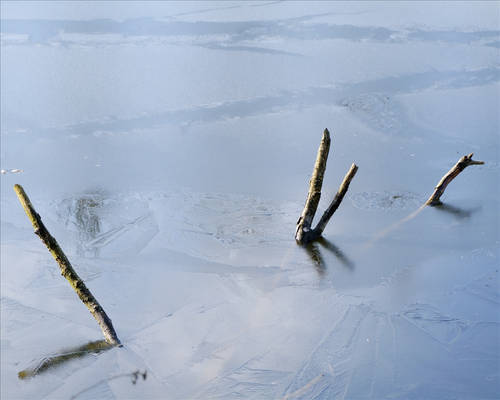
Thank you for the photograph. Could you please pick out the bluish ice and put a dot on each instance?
(168, 147)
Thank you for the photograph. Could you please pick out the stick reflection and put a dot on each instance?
(314, 252)
(457, 212)
(63, 357)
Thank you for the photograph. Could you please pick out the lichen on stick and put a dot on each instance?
(67, 269)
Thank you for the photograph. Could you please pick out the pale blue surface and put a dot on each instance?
(194, 127)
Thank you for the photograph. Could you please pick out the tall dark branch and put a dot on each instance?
(305, 221)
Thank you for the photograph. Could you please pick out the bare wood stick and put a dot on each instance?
(67, 270)
(463, 163)
(305, 221)
(320, 227)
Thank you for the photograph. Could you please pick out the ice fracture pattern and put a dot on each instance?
(168, 149)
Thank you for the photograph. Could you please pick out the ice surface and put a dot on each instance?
(168, 147)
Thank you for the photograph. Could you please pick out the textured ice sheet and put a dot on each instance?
(170, 157)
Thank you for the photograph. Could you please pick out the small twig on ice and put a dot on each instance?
(134, 376)
(463, 163)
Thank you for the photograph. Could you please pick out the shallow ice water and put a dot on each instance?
(168, 147)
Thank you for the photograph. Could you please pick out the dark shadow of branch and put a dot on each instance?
(64, 356)
(336, 252)
(457, 212)
(314, 253)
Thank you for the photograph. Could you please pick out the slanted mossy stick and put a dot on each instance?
(303, 231)
(67, 270)
(463, 163)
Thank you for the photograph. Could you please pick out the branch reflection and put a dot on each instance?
(457, 212)
(63, 357)
(314, 252)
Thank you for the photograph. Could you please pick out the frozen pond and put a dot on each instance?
(168, 147)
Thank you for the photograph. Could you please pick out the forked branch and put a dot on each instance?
(304, 233)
